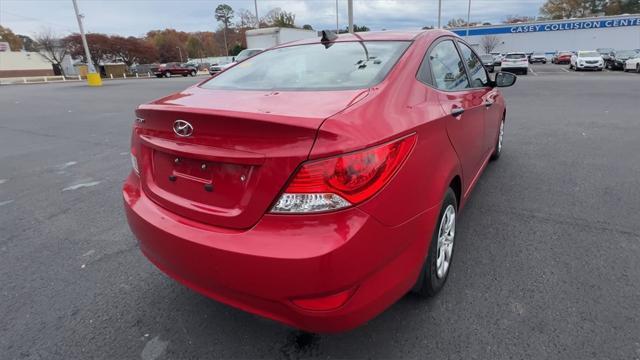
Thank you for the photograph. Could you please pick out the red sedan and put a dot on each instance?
(320, 181)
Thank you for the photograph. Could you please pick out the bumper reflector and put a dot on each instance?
(325, 303)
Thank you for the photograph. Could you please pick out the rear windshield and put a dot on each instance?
(515, 56)
(486, 57)
(341, 66)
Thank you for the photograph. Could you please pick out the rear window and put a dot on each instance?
(341, 66)
(486, 58)
(515, 56)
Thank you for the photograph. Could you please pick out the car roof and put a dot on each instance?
(390, 35)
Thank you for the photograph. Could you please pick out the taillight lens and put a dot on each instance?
(345, 180)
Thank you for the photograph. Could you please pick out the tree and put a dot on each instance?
(515, 19)
(52, 48)
(194, 47)
(132, 50)
(27, 43)
(15, 43)
(100, 47)
(356, 29)
(489, 43)
(246, 19)
(167, 42)
(307, 27)
(453, 23)
(224, 14)
(565, 9)
(617, 7)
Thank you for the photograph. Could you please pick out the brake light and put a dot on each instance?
(345, 180)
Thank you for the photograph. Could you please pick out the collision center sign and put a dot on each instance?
(552, 26)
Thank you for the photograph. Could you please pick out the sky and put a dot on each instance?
(136, 17)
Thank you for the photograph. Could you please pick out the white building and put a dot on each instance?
(618, 32)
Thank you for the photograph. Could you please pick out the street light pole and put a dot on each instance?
(255, 3)
(179, 52)
(93, 78)
(468, 20)
(350, 11)
(439, 13)
(337, 24)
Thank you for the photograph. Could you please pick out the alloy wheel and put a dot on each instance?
(446, 236)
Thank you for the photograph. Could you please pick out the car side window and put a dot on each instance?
(476, 71)
(447, 68)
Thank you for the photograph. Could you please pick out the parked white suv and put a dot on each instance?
(586, 60)
(632, 64)
(515, 62)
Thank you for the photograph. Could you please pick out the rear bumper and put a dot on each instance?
(261, 269)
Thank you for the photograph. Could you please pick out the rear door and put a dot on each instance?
(480, 88)
(465, 125)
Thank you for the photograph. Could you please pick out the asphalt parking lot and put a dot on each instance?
(546, 264)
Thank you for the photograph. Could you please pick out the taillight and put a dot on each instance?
(342, 181)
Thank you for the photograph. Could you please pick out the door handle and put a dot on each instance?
(457, 111)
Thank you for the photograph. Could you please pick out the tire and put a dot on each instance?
(570, 67)
(159, 76)
(185, 75)
(167, 74)
(497, 149)
(433, 277)
(638, 68)
(544, 62)
(525, 72)
(192, 73)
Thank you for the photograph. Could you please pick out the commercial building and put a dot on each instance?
(618, 32)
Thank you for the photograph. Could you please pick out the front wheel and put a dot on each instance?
(167, 74)
(192, 73)
(436, 267)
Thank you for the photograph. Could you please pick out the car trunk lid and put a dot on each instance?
(243, 147)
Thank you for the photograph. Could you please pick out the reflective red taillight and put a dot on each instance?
(344, 180)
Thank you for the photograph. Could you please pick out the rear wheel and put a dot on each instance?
(192, 73)
(638, 68)
(436, 267)
(167, 74)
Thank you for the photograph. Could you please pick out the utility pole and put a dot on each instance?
(179, 52)
(439, 13)
(337, 24)
(93, 78)
(255, 3)
(350, 11)
(468, 20)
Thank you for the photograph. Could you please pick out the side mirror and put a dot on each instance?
(505, 79)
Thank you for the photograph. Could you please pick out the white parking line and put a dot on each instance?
(563, 69)
(533, 72)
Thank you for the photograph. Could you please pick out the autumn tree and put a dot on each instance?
(52, 48)
(167, 42)
(100, 47)
(616, 7)
(194, 47)
(132, 50)
(565, 9)
(489, 43)
(224, 14)
(6, 35)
